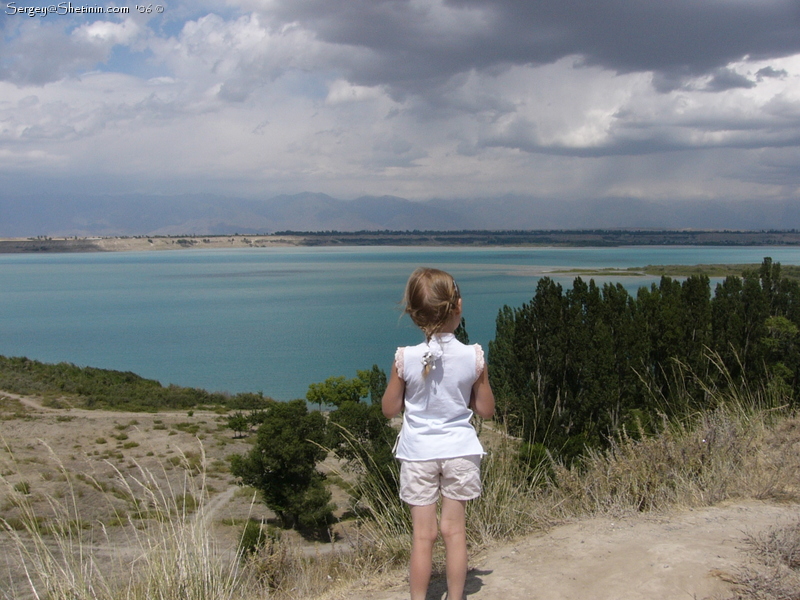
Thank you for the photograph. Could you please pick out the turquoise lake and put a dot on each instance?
(275, 320)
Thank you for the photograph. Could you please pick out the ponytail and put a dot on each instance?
(431, 297)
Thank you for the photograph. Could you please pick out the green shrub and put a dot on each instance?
(254, 536)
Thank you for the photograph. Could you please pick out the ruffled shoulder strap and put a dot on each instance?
(399, 361)
(480, 361)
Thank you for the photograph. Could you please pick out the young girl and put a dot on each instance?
(437, 385)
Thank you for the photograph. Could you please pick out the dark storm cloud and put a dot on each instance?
(415, 44)
(769, 72)
(725, 79)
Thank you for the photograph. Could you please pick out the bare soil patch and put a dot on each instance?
(690, 554)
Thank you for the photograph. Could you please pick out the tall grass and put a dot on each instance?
(166, 552)
(511, 498)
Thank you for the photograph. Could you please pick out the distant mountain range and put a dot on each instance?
(210, 215)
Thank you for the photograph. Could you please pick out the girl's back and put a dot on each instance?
(436, 422)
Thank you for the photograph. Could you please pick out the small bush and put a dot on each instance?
(253, 538)
(186, 503)
(778, 574)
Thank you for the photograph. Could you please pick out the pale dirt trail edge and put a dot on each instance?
(681, 555)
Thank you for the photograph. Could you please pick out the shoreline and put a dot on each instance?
(48, 244)
(562, 238)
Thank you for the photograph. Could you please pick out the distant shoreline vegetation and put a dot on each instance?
(65, 385)
(711, 271)
(567, 238)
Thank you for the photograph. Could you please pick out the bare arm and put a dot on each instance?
(482, 399)
(392, 403)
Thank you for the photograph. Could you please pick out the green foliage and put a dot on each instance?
(781, 351)
(282, 465)
(359, 434)
(23, 487)
(249, 401)
(335, 391)
(536, 462)
(239, 423)
(98, 388)
(571, 369)
(375, 380)
(109, 389)
(254, 537)
(461, 332)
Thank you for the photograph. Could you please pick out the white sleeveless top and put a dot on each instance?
(437, 414)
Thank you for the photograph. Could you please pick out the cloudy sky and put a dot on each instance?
(686, 99)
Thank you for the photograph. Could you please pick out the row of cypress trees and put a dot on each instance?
(572, 368)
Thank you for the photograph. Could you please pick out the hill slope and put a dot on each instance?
(207, 214)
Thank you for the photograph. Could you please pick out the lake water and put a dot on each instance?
(275, 320)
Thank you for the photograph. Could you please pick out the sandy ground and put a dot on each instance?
(145, 243)
(691, 554)
(118, 244)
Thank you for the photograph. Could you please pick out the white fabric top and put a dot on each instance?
(437, 414)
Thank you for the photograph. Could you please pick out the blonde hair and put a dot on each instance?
(430, 299)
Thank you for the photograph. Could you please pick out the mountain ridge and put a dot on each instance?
(207, 214)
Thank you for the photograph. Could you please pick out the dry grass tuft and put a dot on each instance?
(777, 577)
(512, 502)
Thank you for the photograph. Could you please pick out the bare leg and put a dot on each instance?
(454, 533)
(423, 519)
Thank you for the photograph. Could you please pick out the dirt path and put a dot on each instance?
(29, 402)
(217, 502)
(685, 555)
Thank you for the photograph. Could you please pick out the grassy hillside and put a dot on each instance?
(744, 448)
(65, 384)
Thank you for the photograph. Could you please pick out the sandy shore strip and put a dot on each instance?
(143, 243)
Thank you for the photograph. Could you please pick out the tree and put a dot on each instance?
(253, 403)
(782, 353)
(282, 465)
(336, 391)
(375, 380)
(359, 434)
(461, 332)
(239, 423)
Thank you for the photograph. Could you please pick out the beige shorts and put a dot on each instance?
(456, 478)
